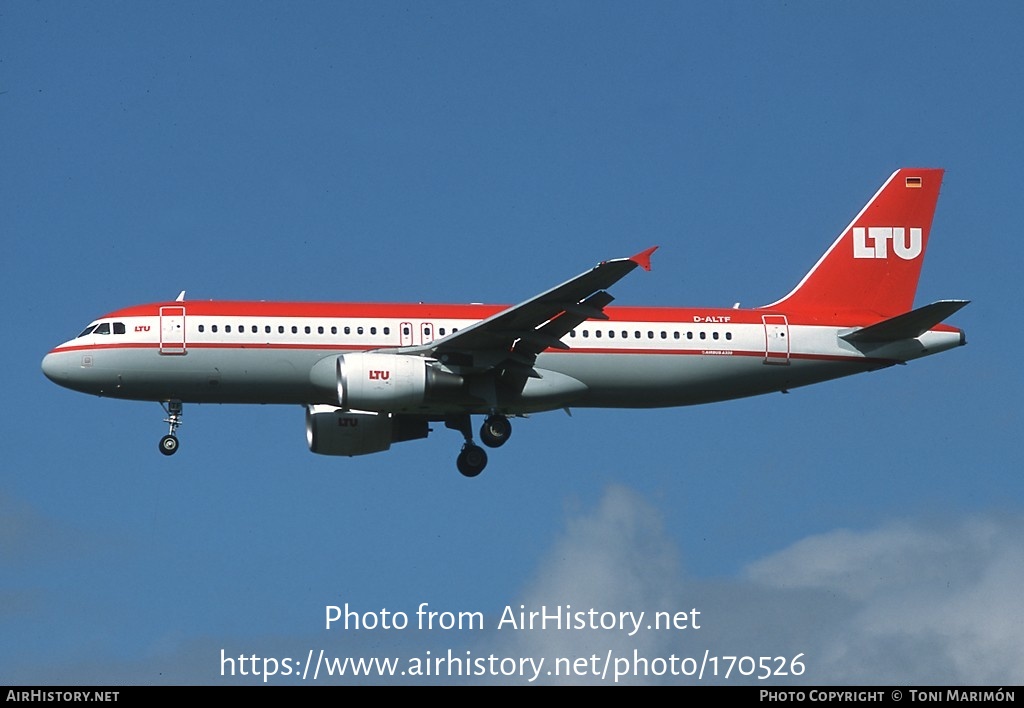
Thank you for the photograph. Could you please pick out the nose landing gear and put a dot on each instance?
(169, 442)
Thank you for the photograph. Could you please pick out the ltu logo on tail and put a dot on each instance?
(873, 242)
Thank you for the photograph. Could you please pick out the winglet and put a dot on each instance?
(643, 259)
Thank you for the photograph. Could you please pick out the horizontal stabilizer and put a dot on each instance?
(909, 325)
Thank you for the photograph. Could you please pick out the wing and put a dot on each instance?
(510, 340)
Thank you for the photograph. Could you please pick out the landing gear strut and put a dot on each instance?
(472, 459)
(169, 442)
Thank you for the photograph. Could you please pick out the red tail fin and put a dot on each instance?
(874, 265)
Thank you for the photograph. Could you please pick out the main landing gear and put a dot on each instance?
(169, 442)
(494, 432)
(471, 460)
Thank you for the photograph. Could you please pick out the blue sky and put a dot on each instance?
(483, 152)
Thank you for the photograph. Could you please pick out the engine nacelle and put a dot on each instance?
(333, 431)
(391, 382)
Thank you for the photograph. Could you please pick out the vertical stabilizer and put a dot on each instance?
(874, 265)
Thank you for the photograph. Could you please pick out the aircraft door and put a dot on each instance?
(172, 330)
(776, 339)
(405, 334)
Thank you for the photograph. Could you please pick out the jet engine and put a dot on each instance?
(390, 382)
(333, 431)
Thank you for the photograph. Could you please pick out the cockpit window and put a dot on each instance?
(104, 328)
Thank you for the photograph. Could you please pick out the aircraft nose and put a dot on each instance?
(55, 367)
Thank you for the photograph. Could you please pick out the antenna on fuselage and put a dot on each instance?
(181, 297)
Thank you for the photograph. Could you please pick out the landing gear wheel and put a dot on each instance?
(495, 431)
(168, 444)
(472, 460)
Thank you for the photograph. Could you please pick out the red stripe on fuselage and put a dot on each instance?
(432, 312)
(576, 350)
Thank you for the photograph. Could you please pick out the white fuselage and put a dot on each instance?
(639, 357)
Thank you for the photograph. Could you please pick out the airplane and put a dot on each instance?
(372, 375)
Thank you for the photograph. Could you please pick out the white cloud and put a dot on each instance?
(909, 602)
(940, 602)
(614, 559)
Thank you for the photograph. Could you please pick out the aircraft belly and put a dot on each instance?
(548, 391)
(651, 381)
